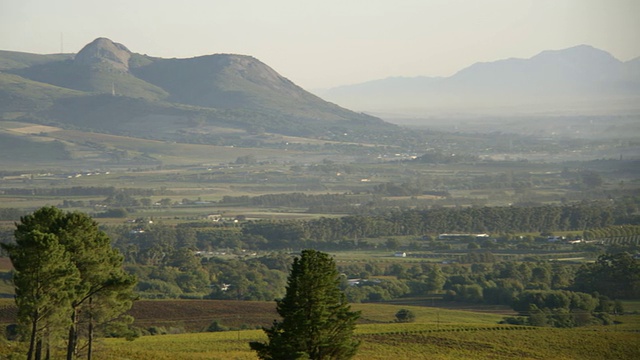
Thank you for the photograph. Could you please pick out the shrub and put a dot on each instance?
(216, 326)
(404, 315)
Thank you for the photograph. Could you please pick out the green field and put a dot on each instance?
(501, 343)
(436, 334)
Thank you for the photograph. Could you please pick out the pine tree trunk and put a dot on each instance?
(47, 344)
(47, 354)
(38, 350)
(32, 340)
(89, 350)
(71, 345)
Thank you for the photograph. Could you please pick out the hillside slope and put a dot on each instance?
(106, 85)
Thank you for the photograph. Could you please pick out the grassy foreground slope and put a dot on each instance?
(436, 334)
(454, 343)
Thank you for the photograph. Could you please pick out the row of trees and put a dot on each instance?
(578, 217)
(613, 232)
(80, 191)
(67, 278)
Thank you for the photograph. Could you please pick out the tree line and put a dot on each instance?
(149, 244)
(548, 218)
(81, 191)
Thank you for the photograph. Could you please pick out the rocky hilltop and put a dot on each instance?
(104, 51)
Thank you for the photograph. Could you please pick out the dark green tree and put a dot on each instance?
(102, 277)
(44, 281)
(317, 322)
(435, 279)
(405, 315)
(614, 275)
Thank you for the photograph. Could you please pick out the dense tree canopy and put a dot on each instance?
(614, 275)
(293, 233)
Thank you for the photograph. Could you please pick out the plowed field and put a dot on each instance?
(186, 315)
(196, 315)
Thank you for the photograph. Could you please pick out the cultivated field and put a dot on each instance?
(436, 334)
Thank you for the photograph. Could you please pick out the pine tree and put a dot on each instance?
(44, 281)
(317, 322)
(101, 276)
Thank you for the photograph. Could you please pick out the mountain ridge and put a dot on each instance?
(552, 77)
(235, 90)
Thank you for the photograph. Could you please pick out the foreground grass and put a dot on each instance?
(387, 343)
(436, 334)
(480, 343)
(503, 343)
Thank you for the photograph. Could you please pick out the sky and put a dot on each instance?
(320, 44)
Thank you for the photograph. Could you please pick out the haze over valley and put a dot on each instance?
(565, 86)
(226, 99)
(464, 175)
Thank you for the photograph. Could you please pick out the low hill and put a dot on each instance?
(20, 95)
(19, 60)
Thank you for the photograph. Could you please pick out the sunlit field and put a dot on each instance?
(436, 334)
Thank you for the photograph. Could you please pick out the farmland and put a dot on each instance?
(222, 220)
(499, 343)
(436, 334)
(516, 236)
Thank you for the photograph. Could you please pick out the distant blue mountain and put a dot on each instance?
(557, 79)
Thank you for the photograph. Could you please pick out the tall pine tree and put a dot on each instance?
(101, 276)
(317, 322)
(44, 280)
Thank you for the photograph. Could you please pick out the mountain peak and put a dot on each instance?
(578, 53)
(104, 51)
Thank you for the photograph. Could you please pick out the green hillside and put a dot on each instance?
(107, 88)
(21, 95)
(19, 60)
(95, 78)
(21, 149)
(236, 81)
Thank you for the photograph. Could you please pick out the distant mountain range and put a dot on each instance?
(579, 79)
(108, 88)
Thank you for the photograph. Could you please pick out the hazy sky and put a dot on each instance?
(326, 43)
